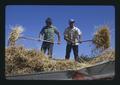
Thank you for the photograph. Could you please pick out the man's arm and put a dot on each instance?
(66, 36)
(80, 36)
(58, 34)
(41, 32)
(80, 39)
(67, 39)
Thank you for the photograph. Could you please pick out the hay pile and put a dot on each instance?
(101, 39)
(19, 60)
(15, 34)
(107, 55)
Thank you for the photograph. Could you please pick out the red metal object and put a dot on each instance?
(78, 76)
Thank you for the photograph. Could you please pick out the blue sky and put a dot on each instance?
(32, 18)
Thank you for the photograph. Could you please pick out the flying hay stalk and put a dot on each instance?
(15, 34)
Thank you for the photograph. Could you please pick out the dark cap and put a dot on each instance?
(48, 19)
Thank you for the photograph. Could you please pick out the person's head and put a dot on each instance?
(71, 22)
(48, 21)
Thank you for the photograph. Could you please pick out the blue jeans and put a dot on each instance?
(68, 50)
(47, 46)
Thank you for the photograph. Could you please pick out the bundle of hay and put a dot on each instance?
(101, 39)
(15, 34)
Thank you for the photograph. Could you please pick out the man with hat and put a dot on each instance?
(48, 32)
(72, 35)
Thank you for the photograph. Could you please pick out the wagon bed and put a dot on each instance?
(102, 70)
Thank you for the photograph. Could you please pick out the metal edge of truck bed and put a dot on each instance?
(60, 75)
